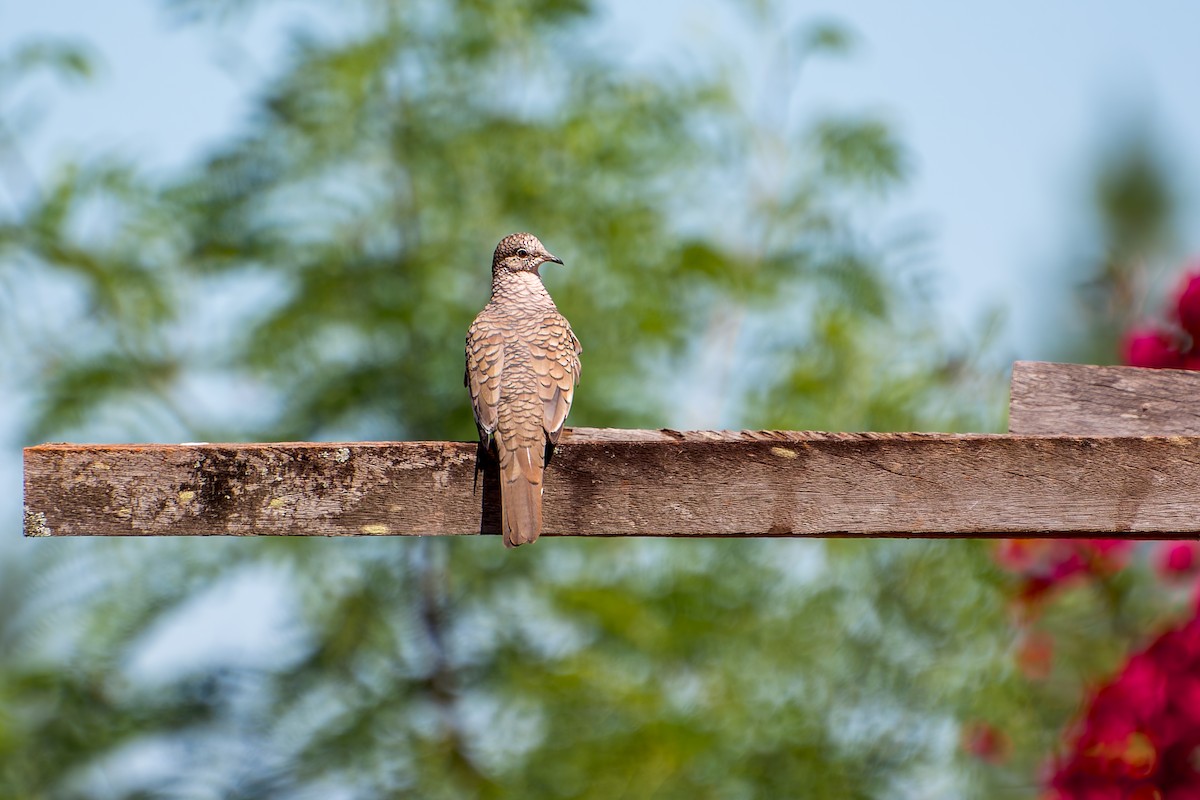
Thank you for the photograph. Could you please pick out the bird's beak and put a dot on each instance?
(550, 257)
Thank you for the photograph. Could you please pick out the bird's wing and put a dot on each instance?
(485, 363)
(556, 363)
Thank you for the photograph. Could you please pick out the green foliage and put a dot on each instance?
(356, 210)
(859, 151)
(58, 715)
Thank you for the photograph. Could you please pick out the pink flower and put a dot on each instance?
(1178, 560)
(986, 742)
(1187, 302)
(1147, 347)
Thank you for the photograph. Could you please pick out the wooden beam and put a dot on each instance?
(647, 483)
(1084, 400)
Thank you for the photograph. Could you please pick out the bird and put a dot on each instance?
(522, 369)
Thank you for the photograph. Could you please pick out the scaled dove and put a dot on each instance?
(522, 367)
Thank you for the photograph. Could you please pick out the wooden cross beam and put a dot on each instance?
(1096, 451)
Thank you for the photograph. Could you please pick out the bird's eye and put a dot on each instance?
(523, 253)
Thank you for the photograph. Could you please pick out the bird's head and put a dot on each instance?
(521, 252)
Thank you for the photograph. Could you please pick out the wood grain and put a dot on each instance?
(1085, 400)
(649, 483)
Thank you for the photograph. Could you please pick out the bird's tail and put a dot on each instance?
(521, 494)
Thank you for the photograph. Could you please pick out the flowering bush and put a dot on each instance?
(1140, 736)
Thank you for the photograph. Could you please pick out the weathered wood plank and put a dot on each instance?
(1084, 400)
(656, 483)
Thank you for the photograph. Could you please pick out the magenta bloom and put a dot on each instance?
(1187, 304)
(1146, 347)
(1178, 559)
